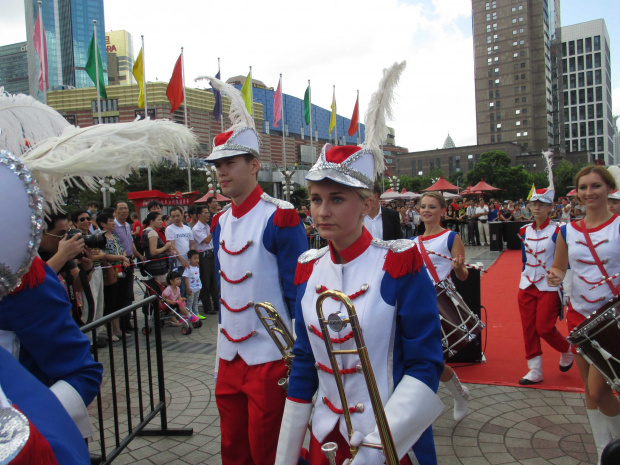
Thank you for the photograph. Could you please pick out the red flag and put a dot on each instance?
(355, 117)
(41, 49)
(174, 91)
(277, 105)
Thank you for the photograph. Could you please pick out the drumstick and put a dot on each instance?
(611, 278)
(540, 262)
(467, 265)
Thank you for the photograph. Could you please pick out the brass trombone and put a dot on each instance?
(337, 322)
(281, 335)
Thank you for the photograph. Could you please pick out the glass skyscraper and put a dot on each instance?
(68, 32)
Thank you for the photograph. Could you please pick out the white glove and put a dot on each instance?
(292, 432)
(411, 409)
(368, 456)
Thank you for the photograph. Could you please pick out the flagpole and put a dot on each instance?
(359, 126)
(283, 124)
(97, 71)
(189, 163)
(335, 118)
(311, 133)
(251, 91)
(222, 103)
(146, 107)
(43, 52)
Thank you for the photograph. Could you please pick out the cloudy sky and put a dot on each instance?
(345, 43)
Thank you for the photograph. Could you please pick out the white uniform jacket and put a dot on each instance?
(586, 273)
(541, 242)
(440, 243)
(397, 310)
(256, 249)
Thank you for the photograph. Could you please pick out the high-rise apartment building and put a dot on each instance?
(68, 31)
(14, 68)
(586, 84)
(119, 47)
(513, 42)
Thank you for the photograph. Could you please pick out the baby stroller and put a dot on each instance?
(150, 286)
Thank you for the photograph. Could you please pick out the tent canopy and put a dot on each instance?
(442, 185)
(483, 186)
(208, 195)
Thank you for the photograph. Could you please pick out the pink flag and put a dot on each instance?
(41, 49)
(277, 104)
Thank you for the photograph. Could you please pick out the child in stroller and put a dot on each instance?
(172, 296)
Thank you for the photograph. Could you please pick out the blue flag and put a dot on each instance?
(217, 108)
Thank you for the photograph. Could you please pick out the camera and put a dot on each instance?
(92, 241)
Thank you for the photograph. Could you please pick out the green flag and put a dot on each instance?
(246, 92)
(307, 104)
(91, 69)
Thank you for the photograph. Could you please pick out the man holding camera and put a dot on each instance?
(123, 231)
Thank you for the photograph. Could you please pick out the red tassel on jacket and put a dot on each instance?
(33, 277)
(399, 264)
(303, 271)
(286, 218)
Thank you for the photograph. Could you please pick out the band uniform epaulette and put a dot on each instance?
(305, 264)
(286, 216)
(402, 258)
(33, 277)
(216, 217)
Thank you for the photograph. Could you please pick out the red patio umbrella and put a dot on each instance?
(208, 195)
(469, 190)
(483, 186)
(571, 193)
(442, 185)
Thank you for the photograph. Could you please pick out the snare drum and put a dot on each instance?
(597, 339)
(459, 325)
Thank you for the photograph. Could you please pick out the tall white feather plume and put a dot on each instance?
(24, 118)
(615, 172)
(379, 109)
(83, 156)
(238, 113)
(548, 155)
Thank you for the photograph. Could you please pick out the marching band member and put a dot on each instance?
(438, 239)
(539, 303)
(396, 306)
(591, 247)
(257, 242)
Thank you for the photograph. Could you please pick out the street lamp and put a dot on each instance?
(107, 189)
(212, 180)
(288, 186)
(394, 183)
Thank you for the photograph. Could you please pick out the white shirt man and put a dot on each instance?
(181, 236)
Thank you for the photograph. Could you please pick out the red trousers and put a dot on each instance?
(539, 313)
(251, 404)
(317, 457)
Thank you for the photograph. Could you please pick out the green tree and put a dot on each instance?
(563, 177)
(494, 167)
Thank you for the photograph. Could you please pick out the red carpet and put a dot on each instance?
(505, 352)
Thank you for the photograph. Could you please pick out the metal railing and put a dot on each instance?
(150, 403)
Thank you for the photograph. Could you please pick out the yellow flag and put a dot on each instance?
(246, 92)
(532, 190)
(139, 75)
(332, 120)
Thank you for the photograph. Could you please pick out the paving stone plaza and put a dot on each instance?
(505, 425)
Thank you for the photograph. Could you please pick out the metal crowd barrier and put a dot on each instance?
(151, 398)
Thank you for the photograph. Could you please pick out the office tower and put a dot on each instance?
(68, 32)
(14, 68)
(513, 71)
(586, 83)
(119, 48)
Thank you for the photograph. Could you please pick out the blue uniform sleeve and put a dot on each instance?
(418, 331)
(43, 410)
(304, 380)
(563, 232)
(451, 237)
(287, 244)
(52, 347)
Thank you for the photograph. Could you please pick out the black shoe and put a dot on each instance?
(211, 312)
(101, 342)
(566, 368)
(527, 382)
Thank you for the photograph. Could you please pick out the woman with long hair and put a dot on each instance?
(448, 243)
(591, 248)
(396, 306)
(154, 248)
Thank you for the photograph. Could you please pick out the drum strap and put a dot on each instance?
(427, 261)
(597, 260)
